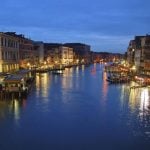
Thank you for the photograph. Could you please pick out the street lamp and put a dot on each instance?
(28, 65)
(133, 68)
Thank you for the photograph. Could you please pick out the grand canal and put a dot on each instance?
(78, 110)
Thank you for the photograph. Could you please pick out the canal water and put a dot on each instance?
(78, 110)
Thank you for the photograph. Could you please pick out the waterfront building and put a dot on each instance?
(131, 52)
(66, 55)
(138, 54)
(57, 54)
(27, 53)
(145, 54)
(98, 57)
(9, 53)
(82, 52)
(52, 54)
(137, 58)
(39, 48)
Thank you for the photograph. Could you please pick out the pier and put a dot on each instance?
(16, 85)
(138, 86)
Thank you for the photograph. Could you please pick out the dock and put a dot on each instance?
(16, 86)
(138, 86)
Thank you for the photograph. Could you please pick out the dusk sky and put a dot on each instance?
(106, 25)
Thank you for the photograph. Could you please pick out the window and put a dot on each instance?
(8, 43)
(2, 41)
(2, 55)
(5, 42)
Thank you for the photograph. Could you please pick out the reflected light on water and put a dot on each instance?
(133, 99)
(68, 72)
(76, 80)
(105, 85)
(42, 84)
(124, 93)
(139, 98)
(13, 107)
(144, 99)
(83, 68)
(67, 79)
(77, 70)
(16, 109)
(144, 114)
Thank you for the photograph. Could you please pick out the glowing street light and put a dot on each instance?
(28, 65)
(133, 68)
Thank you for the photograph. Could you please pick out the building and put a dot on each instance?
(9, 53)
(138, 54)
(27, 53)
(131, 52)
(82, 52)
(52, 54)
(66, 55)
(57, 54)
(137, 58)
(145, 54)
(39, 48)
(98, 57)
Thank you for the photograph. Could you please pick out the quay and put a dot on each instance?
(138, 86)
(58, 68)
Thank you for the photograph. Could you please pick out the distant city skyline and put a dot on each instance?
(105, 25)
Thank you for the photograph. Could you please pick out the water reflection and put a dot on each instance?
(78, 109)
(140, 104)
(42, 84)
(12, 108)
(3, 109)
(67, 84)
(83, 68)
(105, 85)
(16, 109)
(124, 93)
(76, 79)
(145, 101)
(140, 97)
(133, 101)
(68, 72)
(77, 70)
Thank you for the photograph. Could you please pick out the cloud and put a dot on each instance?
(99, 23)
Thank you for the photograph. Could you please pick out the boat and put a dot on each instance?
(118, 79)
(57, 72)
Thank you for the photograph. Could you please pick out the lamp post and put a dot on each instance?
(28, 65)
(133, 70)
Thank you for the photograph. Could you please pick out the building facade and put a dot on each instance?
(18, 52)
(39, 52)
(82, 52)
(9, 53)
(131, 52)
(27, 54)
(57, 54)
(66, 55)
(138, 53)
(52, 54)
(145, 54)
